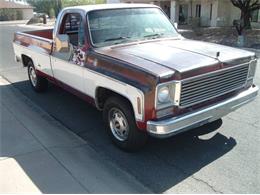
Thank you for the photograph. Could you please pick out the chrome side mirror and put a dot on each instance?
(62, 47)
(62, 43)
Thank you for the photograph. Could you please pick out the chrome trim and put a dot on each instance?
(42, 53)
(35, 37)
(176, 94)
(213, 73)
(252, 63)
(175, 125)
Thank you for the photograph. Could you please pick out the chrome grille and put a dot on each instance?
(201, 88)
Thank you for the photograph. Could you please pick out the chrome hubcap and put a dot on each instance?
(118, 124)
(33, 76)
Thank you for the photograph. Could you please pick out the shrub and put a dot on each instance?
(52, 13)
(10, 14)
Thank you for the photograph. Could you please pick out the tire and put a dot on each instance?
(121, 111)
(38, 83)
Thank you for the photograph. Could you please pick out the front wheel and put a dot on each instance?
(38, 83)
(121, 125)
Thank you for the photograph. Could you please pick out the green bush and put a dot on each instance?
(52, 13)
(19, 15)
(10, 14)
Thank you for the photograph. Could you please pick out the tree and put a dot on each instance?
(48, 6)
(246, 7)
(52, 13)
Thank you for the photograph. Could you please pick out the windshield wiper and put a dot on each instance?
(155, 35)
(116, 38)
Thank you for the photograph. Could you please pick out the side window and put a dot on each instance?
(81, 34)
(73, 26)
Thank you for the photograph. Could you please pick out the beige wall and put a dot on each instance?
(235, 14)
(213, 21)
(174, 11)
(227, 13)
(27, 14)
(205, 13)
(223, 12)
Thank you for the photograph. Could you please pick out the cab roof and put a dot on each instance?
(88, 8)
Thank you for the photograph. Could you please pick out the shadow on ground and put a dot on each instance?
(159, 166)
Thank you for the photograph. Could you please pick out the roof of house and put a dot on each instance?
(13, 5)
(88, 8)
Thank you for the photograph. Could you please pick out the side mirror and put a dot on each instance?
(63, 49)
(62, 43)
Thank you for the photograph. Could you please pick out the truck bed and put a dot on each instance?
(35, 45)
(40, 39)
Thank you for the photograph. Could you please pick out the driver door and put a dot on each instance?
(68, 66)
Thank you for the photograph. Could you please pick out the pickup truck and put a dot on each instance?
(130, 62)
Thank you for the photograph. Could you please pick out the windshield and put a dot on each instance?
(109, 27)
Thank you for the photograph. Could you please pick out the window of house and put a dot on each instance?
(198, 10)
(255, 16)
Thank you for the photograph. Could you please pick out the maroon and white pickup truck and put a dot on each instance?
(129, 61)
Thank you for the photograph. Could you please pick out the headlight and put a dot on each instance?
(167, 94)
(164, 95)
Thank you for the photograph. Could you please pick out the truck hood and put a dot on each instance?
(178, 55)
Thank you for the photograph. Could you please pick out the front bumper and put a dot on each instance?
(175, 125)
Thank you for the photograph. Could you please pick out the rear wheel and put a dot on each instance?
(38, 83)
(121, 125)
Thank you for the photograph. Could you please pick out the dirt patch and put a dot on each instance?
(225, 36)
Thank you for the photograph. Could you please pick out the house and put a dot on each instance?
(19, 1)
(10, 10)
(208, 13)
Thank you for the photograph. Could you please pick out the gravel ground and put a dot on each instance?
(225, 36)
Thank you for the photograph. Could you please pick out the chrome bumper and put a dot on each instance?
(175, 125)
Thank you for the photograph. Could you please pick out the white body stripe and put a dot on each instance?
(40, 58)
(81, 78)
(70, 74)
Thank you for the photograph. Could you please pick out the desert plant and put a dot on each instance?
(246, 7)
(52, 13)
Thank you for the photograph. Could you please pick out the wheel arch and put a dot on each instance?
(103, 93)
(26, 59)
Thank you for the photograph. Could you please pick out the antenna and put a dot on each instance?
(217, 54)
